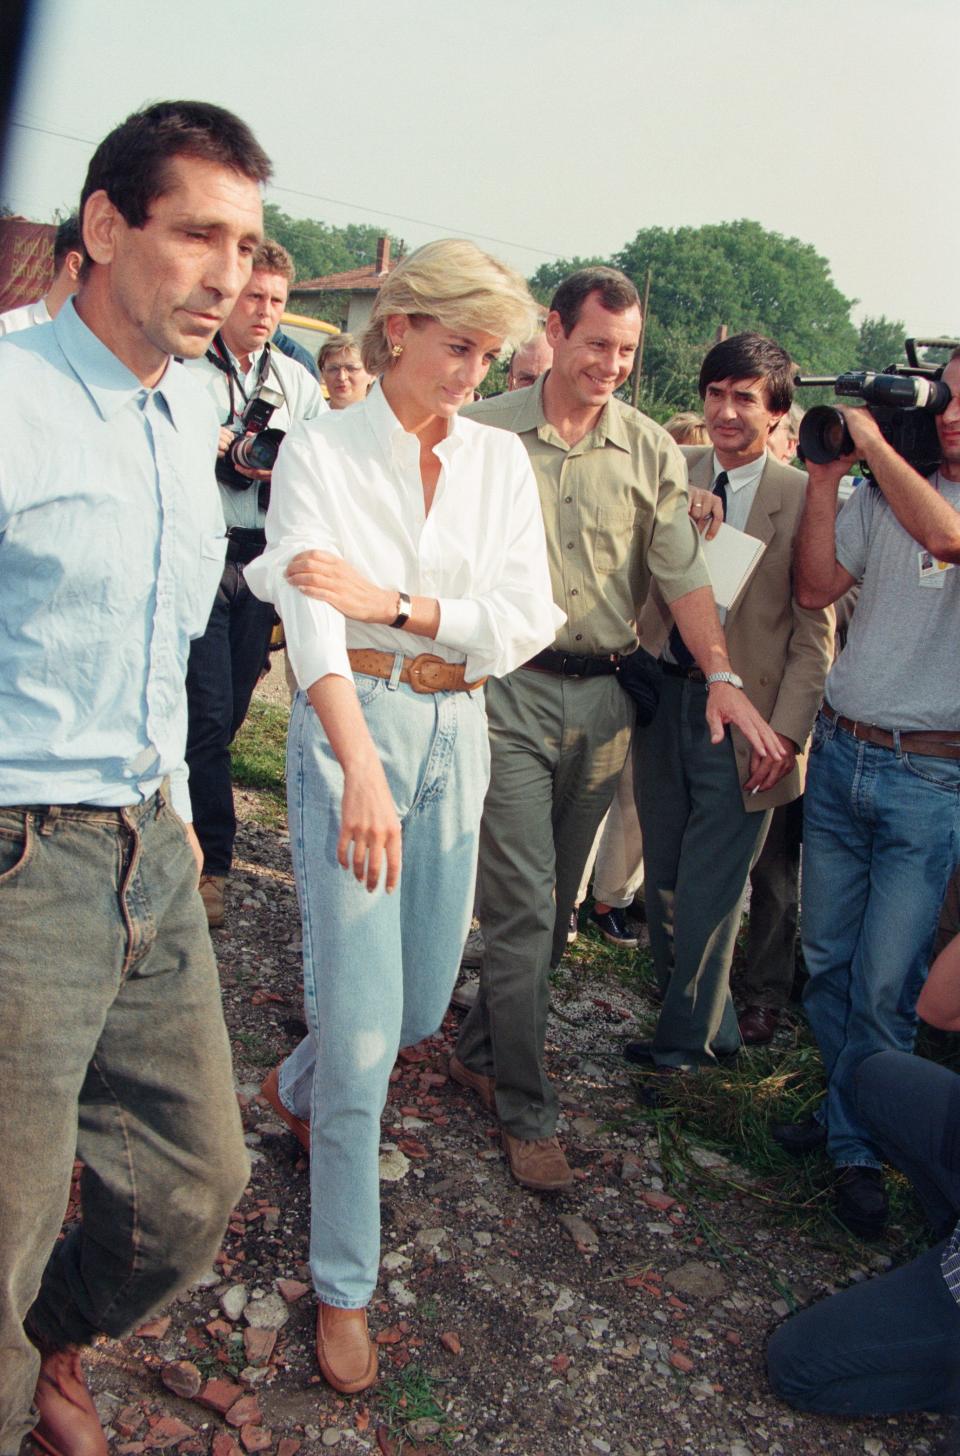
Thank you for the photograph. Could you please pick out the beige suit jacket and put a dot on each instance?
(781, 650)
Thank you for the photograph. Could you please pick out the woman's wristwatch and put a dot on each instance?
(404, 608)
(727, 677)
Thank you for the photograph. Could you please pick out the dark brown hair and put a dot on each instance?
(131, 165)
(751, 356)
(617, 294)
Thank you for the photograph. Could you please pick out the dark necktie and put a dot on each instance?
(682, 655)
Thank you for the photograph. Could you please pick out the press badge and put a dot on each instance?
(932, 573)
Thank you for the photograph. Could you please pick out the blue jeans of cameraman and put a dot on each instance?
(892, 1343)
(881, 838)
(224, 666)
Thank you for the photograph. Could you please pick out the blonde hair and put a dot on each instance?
(687, 428)
(456, 284)
(336, 344)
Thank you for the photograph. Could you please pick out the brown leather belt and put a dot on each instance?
(425, 673)
(926, 744)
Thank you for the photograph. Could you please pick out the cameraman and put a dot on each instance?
(240, 369)
(882, 811)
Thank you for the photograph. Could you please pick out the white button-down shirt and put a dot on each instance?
(349, 483)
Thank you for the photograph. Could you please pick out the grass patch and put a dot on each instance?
(410, 1397)
(258, 760)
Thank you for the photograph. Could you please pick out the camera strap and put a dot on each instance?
(219, 356)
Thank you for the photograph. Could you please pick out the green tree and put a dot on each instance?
(318, 248)
(881, 343)
(739, 275)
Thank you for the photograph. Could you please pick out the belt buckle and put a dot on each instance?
(424, 667)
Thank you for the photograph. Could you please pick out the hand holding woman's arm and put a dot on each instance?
(369, 828)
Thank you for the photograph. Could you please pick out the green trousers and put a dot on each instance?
(558, 746)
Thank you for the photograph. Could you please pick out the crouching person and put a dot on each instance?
(893, 1343)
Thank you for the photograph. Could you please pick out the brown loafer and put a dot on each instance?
(757, 1024)
(270, 1092)
(538, 1163)
(347, 1356)
(485, 1087)
(68, 1424)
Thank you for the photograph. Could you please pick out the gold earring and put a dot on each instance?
(397, 350)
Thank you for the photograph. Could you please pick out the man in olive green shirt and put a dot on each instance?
(613, 491)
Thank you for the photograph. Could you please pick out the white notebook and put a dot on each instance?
(731, 558)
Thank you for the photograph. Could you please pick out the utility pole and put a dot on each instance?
(638, 362)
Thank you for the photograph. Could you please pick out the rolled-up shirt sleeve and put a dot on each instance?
(349, 483)
(298, 521)
(502, 627)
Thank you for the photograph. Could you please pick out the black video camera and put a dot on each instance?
(904, 401)
(257, 445)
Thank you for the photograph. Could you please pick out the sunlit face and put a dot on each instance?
(739, 419)
(345, 377)
(167, 287)
(596, 357)
(439, 367)
(783, 441)
(948, 424)
(256, 313)
(528, 363)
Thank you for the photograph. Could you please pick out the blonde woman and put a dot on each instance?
(406, 554)
(341, 369)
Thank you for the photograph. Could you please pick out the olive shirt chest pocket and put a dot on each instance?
(613, 536)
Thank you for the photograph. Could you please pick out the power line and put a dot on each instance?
(337, 201)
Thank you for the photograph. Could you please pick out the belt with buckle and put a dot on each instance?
(930, 744)
(572, 664)
(425, 673)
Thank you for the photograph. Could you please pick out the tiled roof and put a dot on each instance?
(357, 280)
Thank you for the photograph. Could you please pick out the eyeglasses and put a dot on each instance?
(342, 369)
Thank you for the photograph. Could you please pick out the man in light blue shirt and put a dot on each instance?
(111, 545)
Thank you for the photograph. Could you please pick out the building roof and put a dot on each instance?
(356, 280)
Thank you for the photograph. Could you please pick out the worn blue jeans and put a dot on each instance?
(113, 1050)
(378, 969)
(891, 1343)
(881, 838)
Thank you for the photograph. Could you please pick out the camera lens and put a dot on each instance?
(257, 452)
(824, 435)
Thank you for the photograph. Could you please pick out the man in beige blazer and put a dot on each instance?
(705, 808)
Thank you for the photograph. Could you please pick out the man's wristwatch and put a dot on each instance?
(404, 608)
(727, 677)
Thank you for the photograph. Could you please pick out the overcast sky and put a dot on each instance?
(556, 127)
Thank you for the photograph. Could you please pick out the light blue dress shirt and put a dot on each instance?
(111, 548)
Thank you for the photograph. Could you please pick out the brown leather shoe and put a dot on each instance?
(270, 1092)
(484, 1086)
(538, 1163)
(348, 1358)
(68, 1424)
(758, 1023)
(211, 893)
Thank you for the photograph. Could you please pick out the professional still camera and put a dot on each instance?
(257, 444)
(903, 399)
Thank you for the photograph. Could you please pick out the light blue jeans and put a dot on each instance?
(881, 838)
(378, 969)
